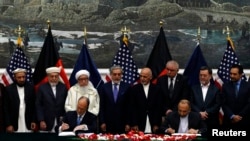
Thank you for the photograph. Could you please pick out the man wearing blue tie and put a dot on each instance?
(79, 120)
(236, 101)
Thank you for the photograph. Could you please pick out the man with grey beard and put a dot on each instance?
(50, 101)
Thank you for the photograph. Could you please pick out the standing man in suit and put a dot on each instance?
(174, 87)
(145, 104)
(206, 99)
(50, 101)
(19, 104)
(80, 119)
(113, 106)
(184, 121)
(236, 101)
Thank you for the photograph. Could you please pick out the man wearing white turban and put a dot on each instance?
(83, 87)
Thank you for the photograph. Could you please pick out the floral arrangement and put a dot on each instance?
(136, 136)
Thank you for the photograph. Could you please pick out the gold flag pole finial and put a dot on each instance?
(125, 32)
(161, 23)
(48, 22)
(19, 32)
(199, 34)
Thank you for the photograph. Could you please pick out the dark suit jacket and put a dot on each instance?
(2, 92)
(48, 106)
(142, 106)
(211, 104)
(194, 121)
(239, 105)
(181, 91)
(12, 103)
(114, 114)
(89, 119)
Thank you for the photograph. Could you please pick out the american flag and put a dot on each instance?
(229, 58)
(124, 59)
(223, 73)
(18, 60)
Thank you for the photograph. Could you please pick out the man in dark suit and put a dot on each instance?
(19, 104)
(50, 100)
(79, 120)
(236, 101)
(145, 104)
(173, 86)
(184, 121)
(113, 112)
(206, 99)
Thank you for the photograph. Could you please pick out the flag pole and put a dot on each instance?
(125, 32)
(229, 38)
(199, 35)
(19, 31)
(85, 35)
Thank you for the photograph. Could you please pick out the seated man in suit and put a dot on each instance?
(184, 121)
(79, 120)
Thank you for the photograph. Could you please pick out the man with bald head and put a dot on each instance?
(79, 120)
(184, 120)
(145, 104)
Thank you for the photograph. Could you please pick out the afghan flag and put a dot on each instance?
(49, 57)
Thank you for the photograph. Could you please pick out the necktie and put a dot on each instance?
(236, 85)
(115, 91)
(171, 88)
(79, 120)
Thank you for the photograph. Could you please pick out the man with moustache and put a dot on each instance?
(19, 104)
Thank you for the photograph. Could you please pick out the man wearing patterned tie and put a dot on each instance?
(236, 105)
(113, 112)
(181, 90)
(79, 120)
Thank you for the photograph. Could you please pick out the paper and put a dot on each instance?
(181, 134)
(67, 133)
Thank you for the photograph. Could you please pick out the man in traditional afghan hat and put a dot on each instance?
(50, 100)
(19, 104)
(83, 87)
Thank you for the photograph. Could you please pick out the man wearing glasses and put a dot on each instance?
(174, 87)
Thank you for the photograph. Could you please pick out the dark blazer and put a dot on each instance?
(239, 105)
(194, 121)
(2, 92)
(12, 103)
(211, 104)
(114, 114)
(181, 91)
(71, 118)
(48, 106)
(142, 106)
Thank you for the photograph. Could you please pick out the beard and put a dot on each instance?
(21, 84)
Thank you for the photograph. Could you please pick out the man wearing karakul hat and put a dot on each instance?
(83, 87)
(19, 104)
(50, 100)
